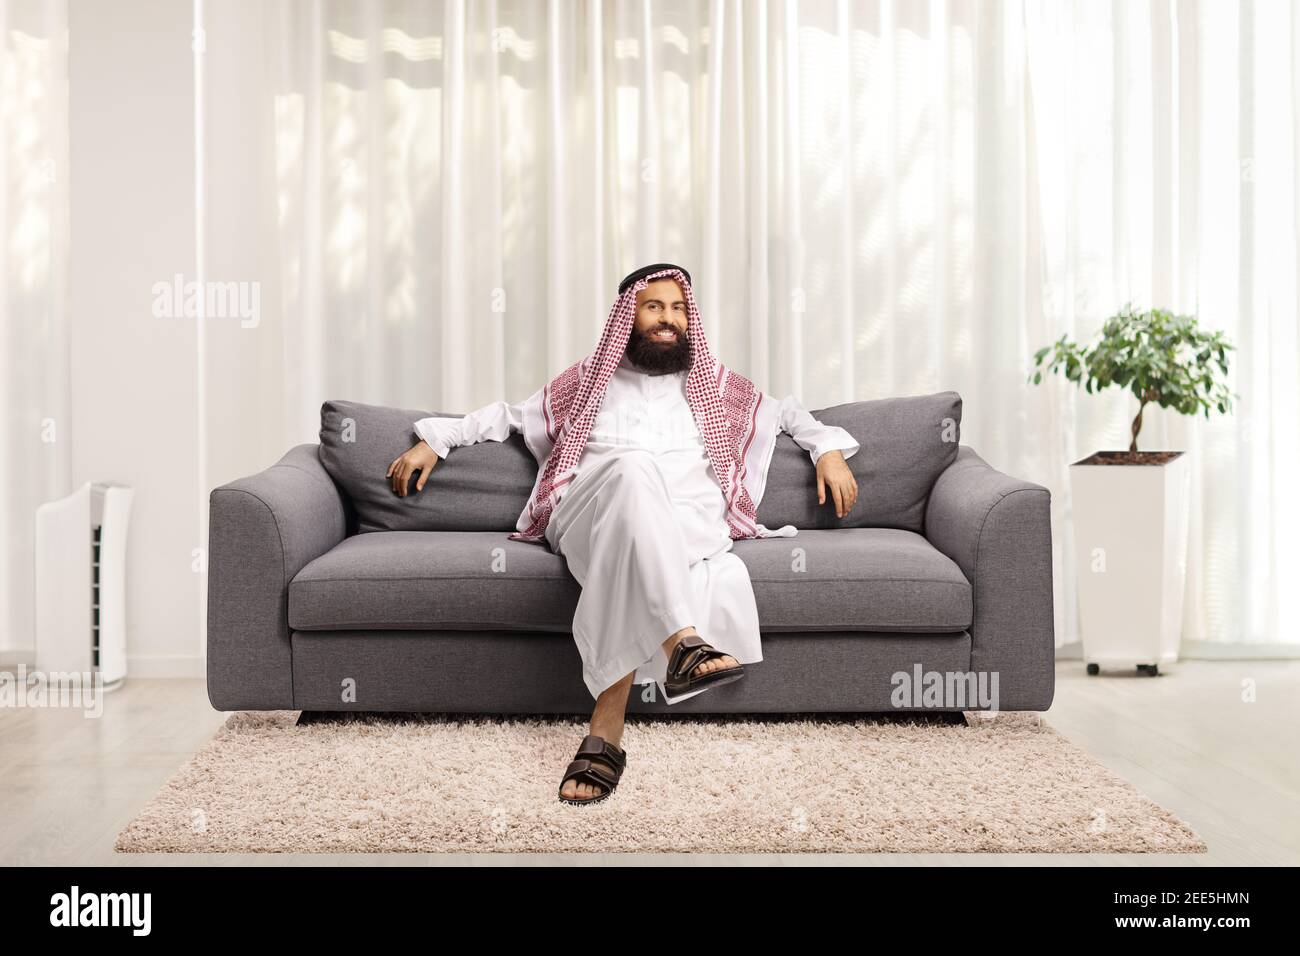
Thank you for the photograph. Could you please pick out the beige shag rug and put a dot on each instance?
(808, 783)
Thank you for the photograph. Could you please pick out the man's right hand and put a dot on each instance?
(419, 458)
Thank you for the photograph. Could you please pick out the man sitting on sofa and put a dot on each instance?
(652, 458)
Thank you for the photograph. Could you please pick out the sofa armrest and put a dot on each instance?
(262, 530)
(998, 529)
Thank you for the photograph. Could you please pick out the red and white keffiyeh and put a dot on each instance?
(739, 422)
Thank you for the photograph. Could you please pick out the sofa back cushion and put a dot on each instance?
(479, 487)
(904, 444)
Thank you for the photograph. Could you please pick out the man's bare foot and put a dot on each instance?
(717, 663)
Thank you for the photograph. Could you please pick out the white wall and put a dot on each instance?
(133, 375)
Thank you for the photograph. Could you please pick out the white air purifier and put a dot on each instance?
(81, 582)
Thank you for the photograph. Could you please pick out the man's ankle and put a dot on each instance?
(674, 639)
(612, 733)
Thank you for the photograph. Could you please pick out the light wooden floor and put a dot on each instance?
(1186, 739)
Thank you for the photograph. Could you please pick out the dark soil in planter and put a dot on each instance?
(1130, 458)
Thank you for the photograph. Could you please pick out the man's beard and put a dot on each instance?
(659, 358)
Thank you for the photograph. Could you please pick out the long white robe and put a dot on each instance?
(645, 463)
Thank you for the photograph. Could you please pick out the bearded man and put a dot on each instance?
(652, 457)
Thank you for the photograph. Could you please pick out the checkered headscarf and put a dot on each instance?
(729, 410)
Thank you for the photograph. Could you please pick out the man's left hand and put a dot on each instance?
(833, 472)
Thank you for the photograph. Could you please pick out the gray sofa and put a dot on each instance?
(328, 592)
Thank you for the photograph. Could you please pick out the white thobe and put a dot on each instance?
(643, 574)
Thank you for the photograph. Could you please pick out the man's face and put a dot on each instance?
(659, 344)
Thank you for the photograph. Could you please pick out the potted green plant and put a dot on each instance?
(1131, 507)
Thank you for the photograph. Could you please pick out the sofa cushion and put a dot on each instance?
(479, 487)
(904, 445)
(856, 579)
(441, 580)
(863, 579)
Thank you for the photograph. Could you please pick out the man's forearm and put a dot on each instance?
(440, 434)
(493, 422)
(813, 436)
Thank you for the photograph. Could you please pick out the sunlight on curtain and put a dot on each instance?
(35, 457)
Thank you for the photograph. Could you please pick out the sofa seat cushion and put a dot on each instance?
(856, 579)
(434, 579)
(864, 579)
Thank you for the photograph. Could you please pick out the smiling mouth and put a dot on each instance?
(664, 335)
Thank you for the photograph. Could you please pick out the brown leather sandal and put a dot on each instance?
(599, 763)
(689, 653)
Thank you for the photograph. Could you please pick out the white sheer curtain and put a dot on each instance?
(35, 456)
(1164, 149)
(875, 199)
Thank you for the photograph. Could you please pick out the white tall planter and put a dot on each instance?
(1130, 533)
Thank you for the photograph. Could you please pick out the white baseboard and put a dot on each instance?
(138, 665)
(1217, 651)
(1207, 651)
(166, 665)
(195, 665)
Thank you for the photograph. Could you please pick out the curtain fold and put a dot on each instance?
(876, 198)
